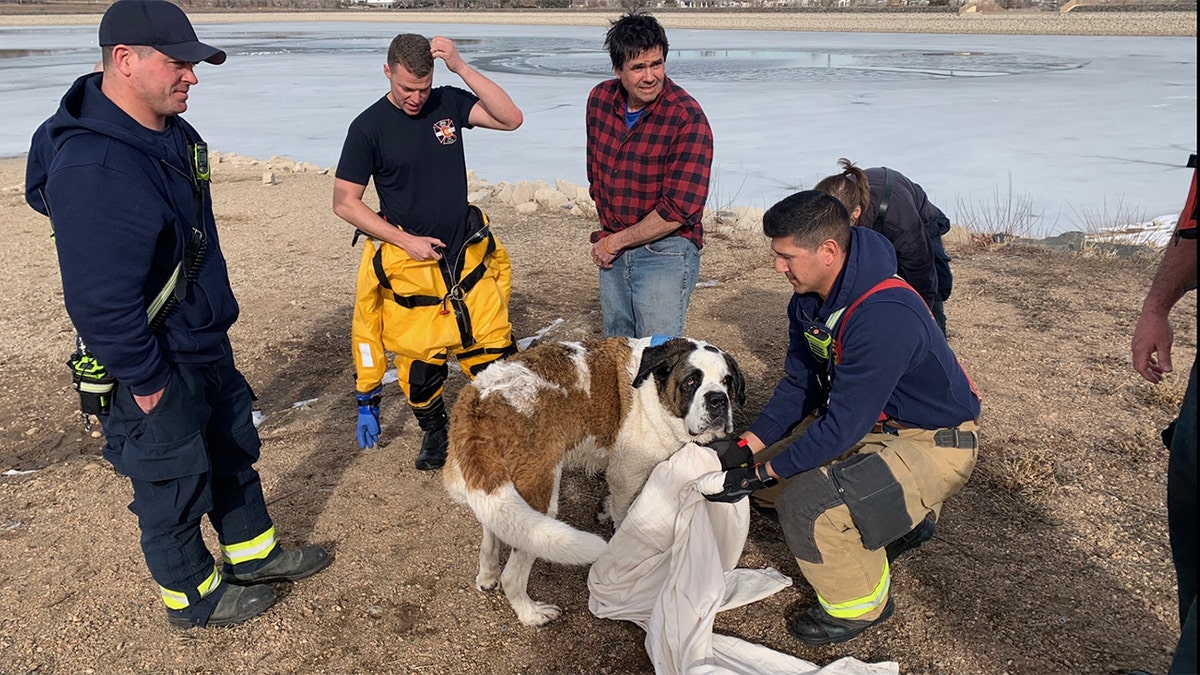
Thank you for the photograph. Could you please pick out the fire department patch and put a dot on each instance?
(445, 131)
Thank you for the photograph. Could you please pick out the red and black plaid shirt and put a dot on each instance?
(663, 163)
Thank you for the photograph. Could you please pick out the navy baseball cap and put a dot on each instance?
(158, 24)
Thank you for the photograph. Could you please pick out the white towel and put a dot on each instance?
(671, 567)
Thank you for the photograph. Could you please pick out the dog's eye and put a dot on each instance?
(692, 382)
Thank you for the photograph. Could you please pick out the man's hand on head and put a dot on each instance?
(443, 48)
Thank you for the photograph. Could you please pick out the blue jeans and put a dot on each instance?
(648, 288)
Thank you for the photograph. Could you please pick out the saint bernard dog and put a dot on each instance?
(621, 405)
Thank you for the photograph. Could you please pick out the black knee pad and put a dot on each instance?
(806, 496)
(425, 380)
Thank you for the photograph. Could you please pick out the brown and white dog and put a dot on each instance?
(621, 405)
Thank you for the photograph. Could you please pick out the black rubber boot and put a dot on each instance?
(433, 450)
(433, 421)
(235, 605)
(289, 565)
(814, 627)
(920, 534)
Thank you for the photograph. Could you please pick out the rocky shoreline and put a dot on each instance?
(732, 222)
(525, 197)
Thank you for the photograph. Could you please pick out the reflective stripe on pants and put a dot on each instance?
(852, 580)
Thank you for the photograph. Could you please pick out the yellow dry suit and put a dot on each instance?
(425, 310)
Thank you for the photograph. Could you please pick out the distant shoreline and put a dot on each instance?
(1159, 24)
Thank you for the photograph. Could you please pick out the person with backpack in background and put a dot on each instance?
(888, 202)
(871, 429)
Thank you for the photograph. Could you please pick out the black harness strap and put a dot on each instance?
(502, 352)
(456, 293)
(883, 201)
(1191, 232)
(188, 269)
(408, 301)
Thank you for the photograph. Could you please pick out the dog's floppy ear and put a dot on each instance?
(737, 388)
(658, 360)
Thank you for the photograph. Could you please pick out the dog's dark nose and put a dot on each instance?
(716, 404)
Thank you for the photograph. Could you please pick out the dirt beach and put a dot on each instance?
(1054, 558)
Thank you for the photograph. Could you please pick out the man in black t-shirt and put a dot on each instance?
(433, 281)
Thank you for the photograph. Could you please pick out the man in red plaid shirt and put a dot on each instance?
(649, 156)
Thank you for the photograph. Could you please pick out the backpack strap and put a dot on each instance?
(837, 317)
(883, 202)
(890, 282)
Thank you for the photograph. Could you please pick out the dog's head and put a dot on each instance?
(696, 382)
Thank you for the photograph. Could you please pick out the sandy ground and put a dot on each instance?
(1169, 23)
(1053, 559)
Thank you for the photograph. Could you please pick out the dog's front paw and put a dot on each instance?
(487, 581)
(604, 511)
(539, 613)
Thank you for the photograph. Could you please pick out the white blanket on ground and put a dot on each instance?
(670, 569)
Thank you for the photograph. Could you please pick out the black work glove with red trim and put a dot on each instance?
(733, 452)
(737, 484)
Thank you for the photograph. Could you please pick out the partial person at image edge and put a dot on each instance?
(1151, 346)
(126, 186)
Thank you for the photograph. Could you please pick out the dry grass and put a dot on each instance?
(1024, 471)
(1005, 213)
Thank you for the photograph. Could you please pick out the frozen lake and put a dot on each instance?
(1078, 128)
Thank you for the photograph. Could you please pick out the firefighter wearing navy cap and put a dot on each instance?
(126, 179)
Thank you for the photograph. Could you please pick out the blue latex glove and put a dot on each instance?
(368, 417)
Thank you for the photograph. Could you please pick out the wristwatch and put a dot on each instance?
(764, 476)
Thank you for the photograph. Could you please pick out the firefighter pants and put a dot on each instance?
(192, 455)
(417, 320)
(837, 518)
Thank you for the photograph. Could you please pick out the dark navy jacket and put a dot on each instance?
(906, 224)
(123, 201)
(41, 153)
(894, 359)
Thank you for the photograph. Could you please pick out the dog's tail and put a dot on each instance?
(476, 475)
(523, 527)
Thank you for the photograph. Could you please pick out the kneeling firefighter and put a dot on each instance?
(871, 428)
(423, 311)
